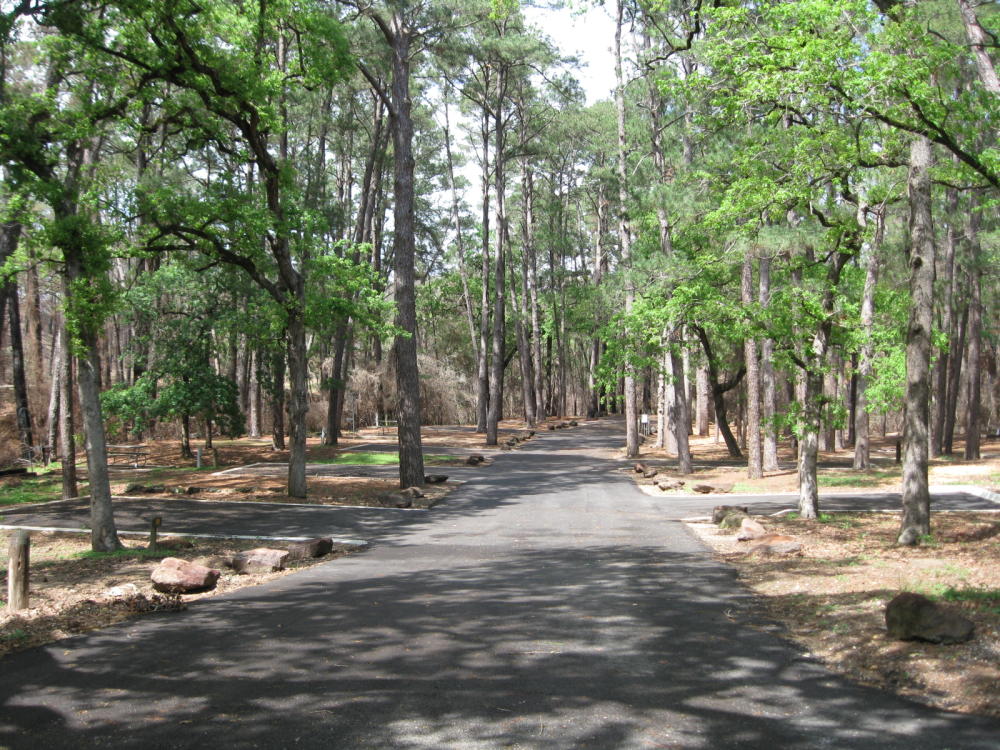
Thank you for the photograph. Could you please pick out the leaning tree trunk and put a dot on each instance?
(916, 495)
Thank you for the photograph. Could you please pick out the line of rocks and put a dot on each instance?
(174, 575)
(668, 484)
(908, 616)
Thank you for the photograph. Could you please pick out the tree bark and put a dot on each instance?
(980, 42)
(631, 412)
(67, 440)
(298, 374)
(10, 236)
(411, 457)
(916, 496)
(494, 412)
(945, 361)
(973, 410)
(278, 401)
(719, 392)
(482, 360)
(755, 464)
(862, 443)
(769, 460)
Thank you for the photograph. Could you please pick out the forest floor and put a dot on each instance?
(831, 599)
(711, 461)
(165, 472)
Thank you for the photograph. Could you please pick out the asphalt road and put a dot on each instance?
(547, 604)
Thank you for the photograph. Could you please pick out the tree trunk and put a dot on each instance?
(631, 412)
(980, 41)
(916, 496)
(67, 439)
(973, 390)
(862, 444)
(956, 359)
(278, 401)
(681, 417)
(702, 391)
(52, 421)
(10, 236)
(411, 457)
(298, 374)
(482, 362)
(254, 426)
(755, 464)
(945, 361)
(767, 377)
(495, 411)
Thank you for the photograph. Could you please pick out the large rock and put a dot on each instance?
(435, 478)
(412, 492)
(670, 484)
(913, 617)
(176, 576)
(309, 548)
(719, 488)
(733, 521)
(260, 560)
(395, 500)
(750, 529)
(475, 459)
(640, 468)
(649, 473)
(721, 511)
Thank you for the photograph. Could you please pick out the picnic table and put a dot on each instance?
(133, 455)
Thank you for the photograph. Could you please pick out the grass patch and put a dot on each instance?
(124, 554)
(855, 479)
(988, 599)
(30, 491)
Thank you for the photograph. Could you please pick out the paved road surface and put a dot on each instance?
(547, 605)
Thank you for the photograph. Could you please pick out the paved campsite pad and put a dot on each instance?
(549, 604)
(182, 516)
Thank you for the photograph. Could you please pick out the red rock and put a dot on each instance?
(176, 576)
(750, 529)
(260, 560)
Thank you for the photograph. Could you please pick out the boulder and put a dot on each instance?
(309, 548)
(260, 560)
(649, 473)
(395, 500)
(721, 511)
(136, 488)
(413, 492)
(119, 592)
(719, 488)
(913, 617)
(475, 459)
(176, 576)
(774, 545)
(640, 468)
(435, 478)
(174, 542)
(733, 521)
(750, 529)
(670, 484)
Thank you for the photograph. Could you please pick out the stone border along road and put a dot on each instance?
(547, 604)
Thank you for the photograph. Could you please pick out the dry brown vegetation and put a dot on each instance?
(832, 599)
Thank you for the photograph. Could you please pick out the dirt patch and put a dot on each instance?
(831, 599)
(70, 595)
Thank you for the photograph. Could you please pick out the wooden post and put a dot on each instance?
(153, 527)
(17, 571)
